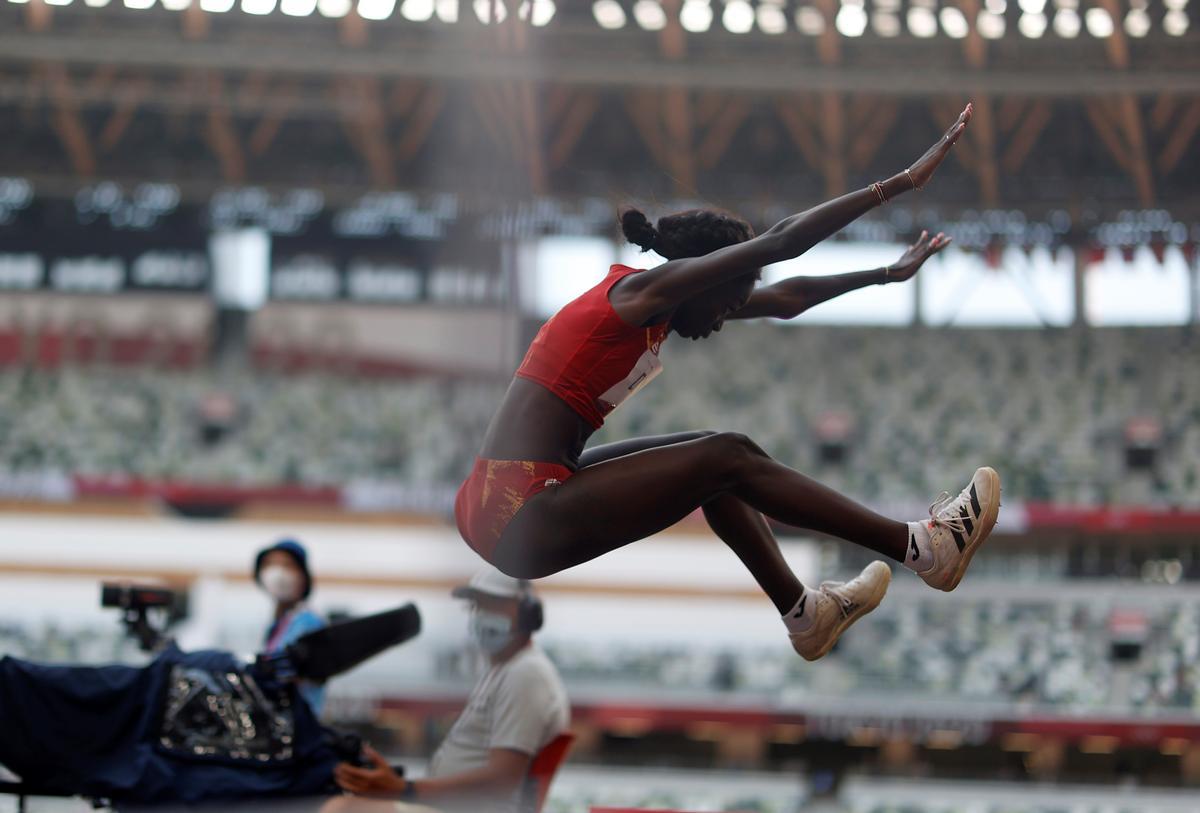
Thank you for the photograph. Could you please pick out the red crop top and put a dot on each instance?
(587, 356)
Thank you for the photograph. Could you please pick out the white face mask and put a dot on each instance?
(491, 632)
(281, 583)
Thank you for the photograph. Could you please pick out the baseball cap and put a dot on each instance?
(491, 582)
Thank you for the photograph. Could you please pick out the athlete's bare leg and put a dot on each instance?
(737, 525)
(612, 502)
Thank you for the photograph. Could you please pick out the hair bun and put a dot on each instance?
(637, 229)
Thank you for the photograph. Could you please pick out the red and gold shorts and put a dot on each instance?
(494, 493)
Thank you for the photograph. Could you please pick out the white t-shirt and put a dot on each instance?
(520, 705)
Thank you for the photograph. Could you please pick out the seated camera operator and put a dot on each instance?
(516, 708)
(185, 728)
(282, 571)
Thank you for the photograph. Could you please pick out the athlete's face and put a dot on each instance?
(701, 316)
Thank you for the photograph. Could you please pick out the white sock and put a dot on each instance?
(919, 556)
(803, 615)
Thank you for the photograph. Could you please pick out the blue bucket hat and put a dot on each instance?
(293, 549)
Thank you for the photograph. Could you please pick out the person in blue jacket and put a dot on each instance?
(281, 570)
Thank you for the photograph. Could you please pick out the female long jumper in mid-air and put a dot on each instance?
(536, 502)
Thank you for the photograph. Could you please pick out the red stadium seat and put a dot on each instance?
(542, 770)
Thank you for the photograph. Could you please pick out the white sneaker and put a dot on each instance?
(837, 606)
(959, 525)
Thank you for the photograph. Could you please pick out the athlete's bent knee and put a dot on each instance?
(735, 443)
(732, 452)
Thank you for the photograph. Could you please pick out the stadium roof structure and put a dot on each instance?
(558, 101)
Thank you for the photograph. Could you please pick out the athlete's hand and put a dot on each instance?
(922, 170)
(907, 266)
(377, 780)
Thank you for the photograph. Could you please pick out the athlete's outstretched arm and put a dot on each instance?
(789, 298)
(664, 287)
